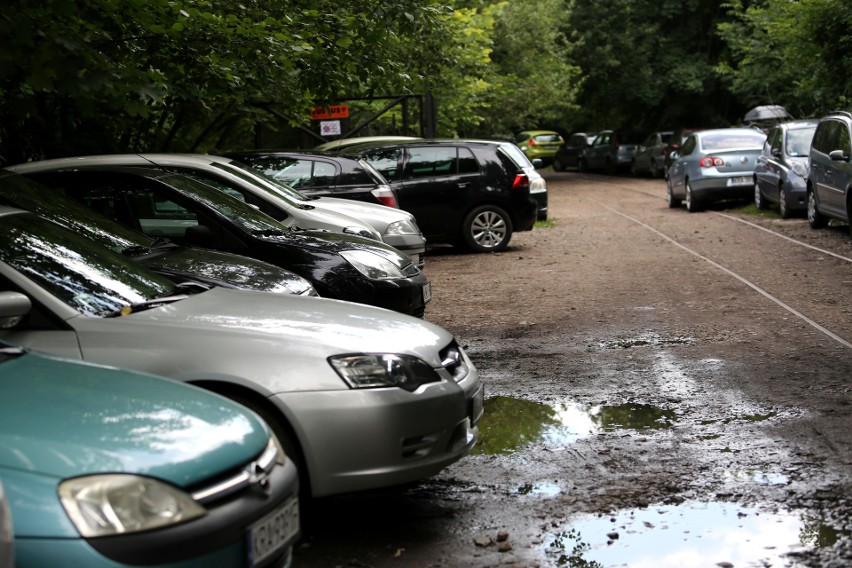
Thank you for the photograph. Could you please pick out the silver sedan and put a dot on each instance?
(360, 397)
(714, 165)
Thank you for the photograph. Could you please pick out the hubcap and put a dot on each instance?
(488, 229)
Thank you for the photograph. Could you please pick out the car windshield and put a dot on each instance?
(268, 183)
(732, 140)
(232, 207)
(18, 191)
(88, 277)
(799, 141)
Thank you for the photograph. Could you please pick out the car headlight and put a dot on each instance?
(404, 227)
(364, 371)
(372, 266)
(800, 169)
(110, 504)
(372, 235)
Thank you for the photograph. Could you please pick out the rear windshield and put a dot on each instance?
(731, 140)
(548, 138)
(516, 156)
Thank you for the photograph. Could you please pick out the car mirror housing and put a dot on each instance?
(14, 306)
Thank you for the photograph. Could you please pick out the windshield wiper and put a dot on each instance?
(146, 305)
(135, 250)
(163, 242)
(269, 233)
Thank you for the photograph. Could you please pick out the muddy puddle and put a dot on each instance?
(690, 534)
(509, 424)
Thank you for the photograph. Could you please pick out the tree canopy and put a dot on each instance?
(87, 76)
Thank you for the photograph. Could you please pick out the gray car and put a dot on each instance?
(650, 157)
(781, 169)
(830, 181)
(360, 397)
(714, 165)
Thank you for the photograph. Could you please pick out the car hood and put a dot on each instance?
(330, 242)
(64, 419)
(278, 343)
(224, 269)
(379, 216)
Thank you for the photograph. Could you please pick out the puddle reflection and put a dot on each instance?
(511, 423)
(691, 534)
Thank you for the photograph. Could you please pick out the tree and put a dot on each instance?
(796, 54)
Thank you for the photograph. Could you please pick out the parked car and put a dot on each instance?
(358, 397)
(188, 212)
(781, 170)
(830, 178)
(291, 208)
(678, 137)
(326, 175)
(7, 545)
(179, 263)
(650, 157)
(714, 165)
(611, 151)
(539, 144)
(105, 467)
(342, 143)
(568, 154)
(475, 193)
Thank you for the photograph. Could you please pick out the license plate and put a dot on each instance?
(477, 406)
(745, 180)
(427, 292)
(274, 532)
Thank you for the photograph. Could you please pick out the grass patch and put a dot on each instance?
(751, 209)
(548, 224)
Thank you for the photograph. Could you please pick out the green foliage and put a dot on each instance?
(796, 54)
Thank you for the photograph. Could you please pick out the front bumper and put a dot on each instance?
(414, 246)
(362, 439)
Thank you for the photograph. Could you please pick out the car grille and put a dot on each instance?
(255, 473)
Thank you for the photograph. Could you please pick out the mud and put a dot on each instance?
(663, 389)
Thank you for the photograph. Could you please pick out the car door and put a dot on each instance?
(596, 154)
(677, 172)
(828, 138)
(767, 167)
(436, 185)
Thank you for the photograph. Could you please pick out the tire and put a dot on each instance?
(557, 165)
(815, 219)
(759, 201)
(692, 203)
(487, 228)
(783, 206)
(674, 202)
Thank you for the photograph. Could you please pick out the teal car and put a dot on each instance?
(106, 468)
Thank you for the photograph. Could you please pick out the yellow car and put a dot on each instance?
(539, 144)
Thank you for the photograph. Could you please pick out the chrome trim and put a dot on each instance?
(255, 473)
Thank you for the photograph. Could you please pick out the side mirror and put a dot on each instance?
(14, 307)
(838, 155)
(537, 163)
(776, 152)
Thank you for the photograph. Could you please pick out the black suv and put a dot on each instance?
(317, 173)
(830, 174)
(470, 192)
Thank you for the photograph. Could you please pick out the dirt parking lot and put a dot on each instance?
(663, 389)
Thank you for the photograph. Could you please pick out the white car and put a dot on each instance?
(360, 397)
(394, 227)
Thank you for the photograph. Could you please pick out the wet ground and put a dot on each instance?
(663, 389)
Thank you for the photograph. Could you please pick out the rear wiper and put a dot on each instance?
(146, 305)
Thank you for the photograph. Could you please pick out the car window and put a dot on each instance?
(430, 162)
(689, 146)
(798, 142)
(773, 141)
(88, 277)
(385, 160)
(727, 140)
(547, 138)
(323, 175)
(468, 164)
(292, 171)
(516, 156)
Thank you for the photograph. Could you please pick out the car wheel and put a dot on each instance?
(655, 172)
(692, 203)
(783, 207)
(674, 202)
(557, 165)
(487, 228)
(815, 219)
(759, 201)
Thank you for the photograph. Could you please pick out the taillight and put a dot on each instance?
(522, 181)
(386, 196)
(711, 162)
(531, 142)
